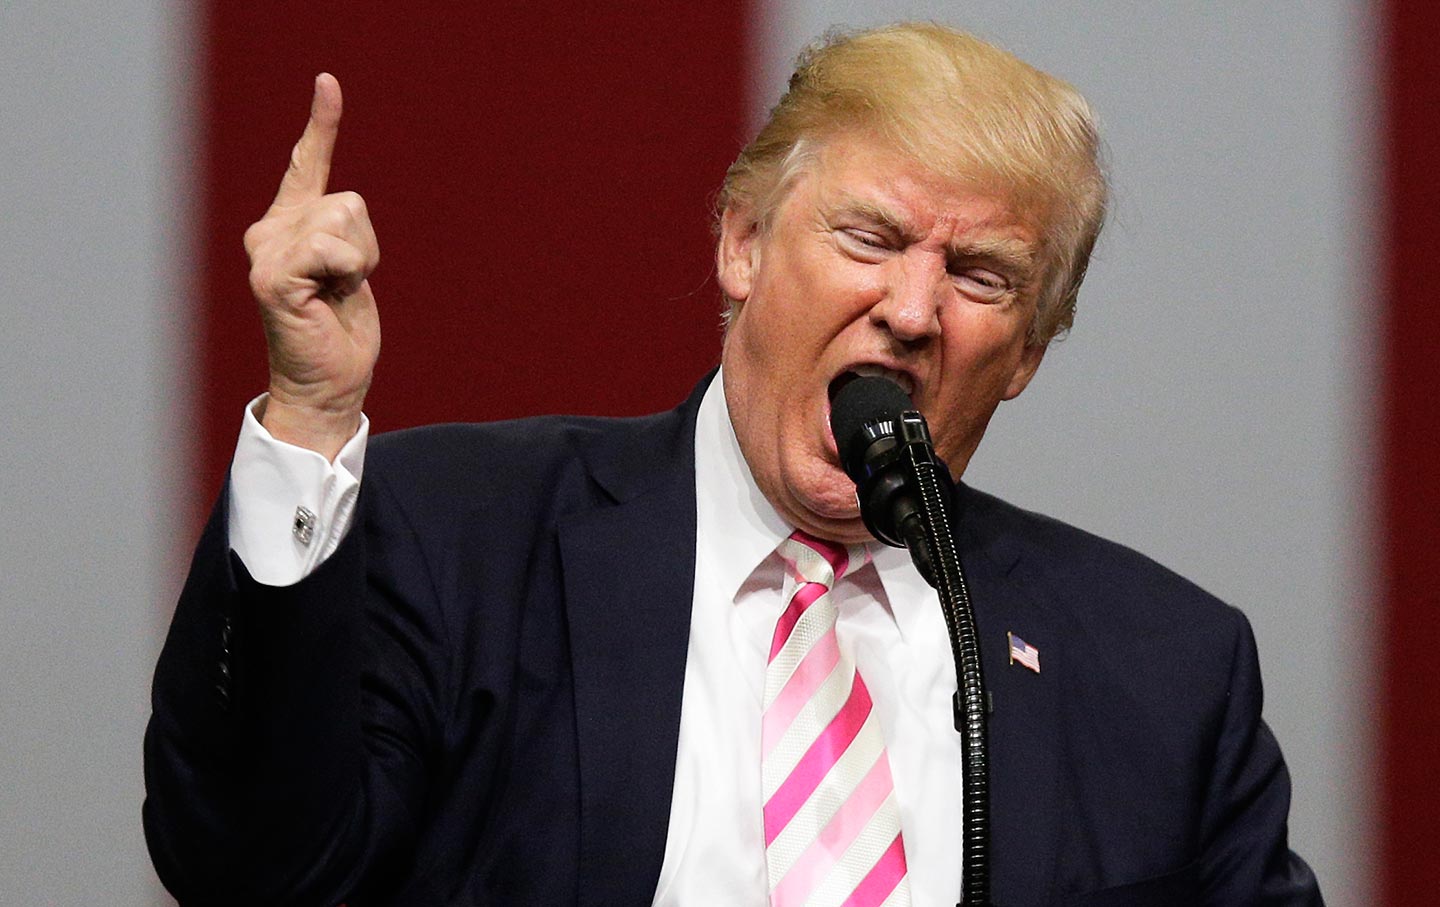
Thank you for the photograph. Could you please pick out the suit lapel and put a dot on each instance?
(629, 576)
(1026, 741)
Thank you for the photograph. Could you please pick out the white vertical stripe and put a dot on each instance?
(94, 455)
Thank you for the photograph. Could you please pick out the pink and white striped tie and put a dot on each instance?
(832, 829)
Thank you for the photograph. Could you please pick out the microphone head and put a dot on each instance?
(865, 410)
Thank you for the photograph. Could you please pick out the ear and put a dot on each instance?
(738, 253)
(1025, 369)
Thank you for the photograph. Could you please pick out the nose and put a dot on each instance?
(915, 290)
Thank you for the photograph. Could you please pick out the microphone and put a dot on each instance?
(877, 429)
(905, 496)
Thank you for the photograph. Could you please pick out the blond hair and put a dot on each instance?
(962, 108)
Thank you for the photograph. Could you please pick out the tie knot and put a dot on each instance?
(820, 561)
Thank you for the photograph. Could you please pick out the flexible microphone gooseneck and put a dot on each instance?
(905, 496)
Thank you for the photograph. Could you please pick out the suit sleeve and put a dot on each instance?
(1247, 857)
(285, 756)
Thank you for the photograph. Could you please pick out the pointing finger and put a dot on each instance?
(309, 170)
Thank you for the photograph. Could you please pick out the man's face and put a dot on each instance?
(871, 262)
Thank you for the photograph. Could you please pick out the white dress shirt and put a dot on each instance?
(889, 621)
(270, 481)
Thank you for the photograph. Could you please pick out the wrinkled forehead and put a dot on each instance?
(864, 167)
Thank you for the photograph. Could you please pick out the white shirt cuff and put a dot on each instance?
(270, 481)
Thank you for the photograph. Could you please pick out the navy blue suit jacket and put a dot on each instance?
(476, 700)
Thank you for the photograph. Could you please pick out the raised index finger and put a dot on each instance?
(309, 171)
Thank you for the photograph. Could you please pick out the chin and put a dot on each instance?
(827, 496)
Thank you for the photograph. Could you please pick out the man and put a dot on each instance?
(647, 661)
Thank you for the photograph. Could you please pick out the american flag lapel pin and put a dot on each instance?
(1024, 653)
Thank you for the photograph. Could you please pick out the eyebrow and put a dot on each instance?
(871, 211)
(1013, 255)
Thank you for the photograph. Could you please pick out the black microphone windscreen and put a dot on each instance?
(860, 401)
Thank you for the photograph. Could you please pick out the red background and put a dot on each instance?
(1408, 650)
(540, 176)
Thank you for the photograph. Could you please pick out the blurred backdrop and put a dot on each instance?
(1247, 395)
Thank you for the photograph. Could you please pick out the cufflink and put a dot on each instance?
(303, 527)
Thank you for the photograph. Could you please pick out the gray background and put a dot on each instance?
(94, 108)
(1212, 407)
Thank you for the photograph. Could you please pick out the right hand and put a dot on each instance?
(310, 257)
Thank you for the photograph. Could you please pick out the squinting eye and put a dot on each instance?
(984, 282)
(864, 238)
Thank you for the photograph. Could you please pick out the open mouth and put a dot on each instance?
(839, 383)
(865, 370)
(869, 370)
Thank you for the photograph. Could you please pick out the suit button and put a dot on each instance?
(222, 685)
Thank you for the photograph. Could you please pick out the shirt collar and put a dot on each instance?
(738, 529)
